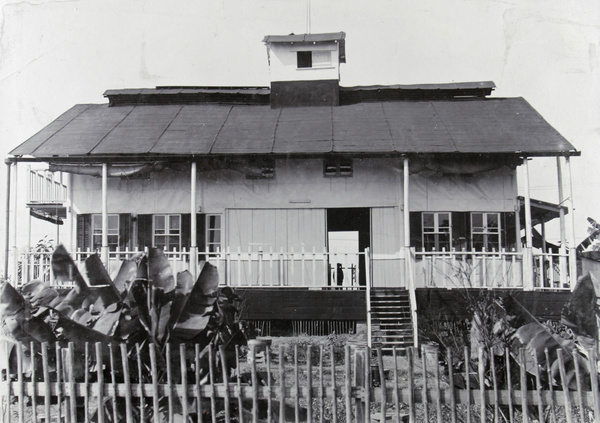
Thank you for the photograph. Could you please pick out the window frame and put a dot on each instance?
(486, 233)
(339, 163)
(306, 59)
(436, 230)
(167, 233)
(309, 61)
(97, 218)
(208, 244)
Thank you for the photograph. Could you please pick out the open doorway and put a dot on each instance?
(348, 233)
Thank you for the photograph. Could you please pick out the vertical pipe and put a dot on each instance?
(528, 254)
(7, 222)
(104, 249)
(572, 242)
(193, 226)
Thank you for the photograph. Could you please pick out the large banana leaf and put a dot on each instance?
(38, 294)
(105, 291)
(65, 270)
(190, 317)
(159, 270)
(15, 314)
(536, 338)
(127, 274)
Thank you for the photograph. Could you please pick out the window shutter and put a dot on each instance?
(509, 230)
(186, 223)
(124, 231)
(144, 222)
(84, 228)
(201, 231)
(461, 231)
(416, 228)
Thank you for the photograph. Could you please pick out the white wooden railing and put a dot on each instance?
(318, 269)
(46, 187)
(490, 269)
(236, 268)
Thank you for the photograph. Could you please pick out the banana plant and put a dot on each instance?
(145, 304)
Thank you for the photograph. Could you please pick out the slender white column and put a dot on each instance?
(409, 265)
(15, 223)
(528, 253)
(193, 226)
(528, 236)
(7, 221)
(572, 241)
(562, 260)
(406, 206)
(104, 249)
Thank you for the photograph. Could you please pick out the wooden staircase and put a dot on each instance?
(390, 318)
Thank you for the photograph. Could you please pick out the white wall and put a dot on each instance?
(283, 63)
(299, 183)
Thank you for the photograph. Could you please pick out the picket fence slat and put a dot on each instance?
(312, 383)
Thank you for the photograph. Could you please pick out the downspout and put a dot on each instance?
(528, 253)
(104, 249)
(193, 226)
(409, 256)
(8, 164)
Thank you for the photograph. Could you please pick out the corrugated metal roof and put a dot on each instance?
(456, 126)
(305, 38)
(443, 86)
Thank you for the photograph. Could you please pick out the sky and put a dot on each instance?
(54, 54)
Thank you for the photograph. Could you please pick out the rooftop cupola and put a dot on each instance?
(305, 68)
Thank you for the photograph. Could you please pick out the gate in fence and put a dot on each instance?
(324, 383)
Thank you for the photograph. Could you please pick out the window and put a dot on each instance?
(437, 231)
(313, 59)
(485, 231)
(112, 230)
(304, 59)
(213, 233)
(166, 231)
(260, 169)
(337, 166)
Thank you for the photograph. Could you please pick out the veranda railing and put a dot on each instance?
(489, 269)
(270, 268)
(350, 383)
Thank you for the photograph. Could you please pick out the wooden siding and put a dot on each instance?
(278, 229)
(385, 242)
(303, 304)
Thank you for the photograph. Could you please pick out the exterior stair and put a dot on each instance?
(390, 318)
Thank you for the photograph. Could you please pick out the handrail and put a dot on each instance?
(317, 269)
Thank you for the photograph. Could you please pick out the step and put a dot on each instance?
(384, 302)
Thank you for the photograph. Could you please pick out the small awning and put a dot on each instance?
(53, 213)
(541, 211)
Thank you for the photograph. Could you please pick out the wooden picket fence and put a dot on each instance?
(308, 383)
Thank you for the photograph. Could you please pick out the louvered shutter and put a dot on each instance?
(124, 231)
(461, 231)
(84, 228)
(185, 231)
(416, 231)
(144, 222)
(509, 230)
